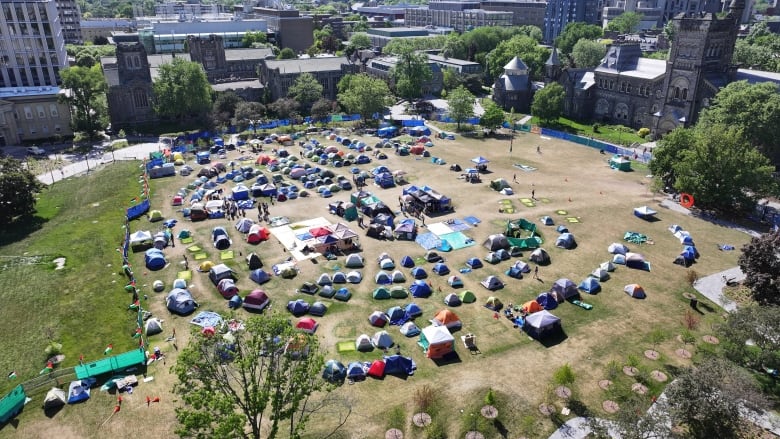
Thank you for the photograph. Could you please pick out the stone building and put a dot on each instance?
(130, 94)
(225, 65)
(279, 75)
(514, 89)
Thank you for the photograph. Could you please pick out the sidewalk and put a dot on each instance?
(134, 152)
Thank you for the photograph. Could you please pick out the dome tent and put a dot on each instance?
(496, 242)
(566, 241)
(399, 292)
(609, 266)
(565, 289)
(254, 261)
(259, 276)
(153, 326)
(412, 310)
(378, 319)
(354, 277)
(307, 325)
(318, 309)
(590, 285)
(324, 279)
(455, 281)
(227, 287)
(298, 307)
(410, 329)
(180, 301)
(474, 263)
(355, 371)
(492, 283)
(452, 299)
(257, 300)
(407, 262)
(398, 276)
(419, 273)
(467, 297)
(494, 303)
(447, 318)
(635, 291)
(382, 278)
(617, 248)
(308, 288)
(541, 324)
(420, 289)
(381, 293)
(540, 256)
(386, 264)
(363, 343)
(339, 278)
(154, 259)
(396, 315)
(334, 371)
(382, 340)
(441, 269)
(355, 260)
(600, 274)
(546, 301)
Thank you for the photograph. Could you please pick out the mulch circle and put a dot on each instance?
(683, 353)
(630, 370)
(421, 419)
(658, 376)
(474, 435)
(563, 392)
(689, 296)
(604, 384)
(711, 339)
(546, 409)
(639, 388)
(489, 412)
(610, 406)
(394, 433)
(652, 354)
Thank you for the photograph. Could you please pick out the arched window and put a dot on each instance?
(685, 94)
(628, 88)
(677, 92)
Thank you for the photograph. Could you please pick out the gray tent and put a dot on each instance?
(496, 242)
(153, 327)
(54, 398)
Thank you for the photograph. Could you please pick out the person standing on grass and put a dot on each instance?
(536, 272)
(533, 192)
(538, 149)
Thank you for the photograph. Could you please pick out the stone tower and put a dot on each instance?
(552, 67)
(130, 94)
(132, 63)
(699, 65)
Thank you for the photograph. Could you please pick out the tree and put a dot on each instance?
(252, 38)
(322, 108)
(451, 79)
(493, 115)
(224, 108)
(706, 399)
(548, 102)
(359, 40)
(18, 187)
(364, 95)
(285, 108)
(587, 53)
(755, 108)
(708, 171)
(625, 23)
(247, 111)
(564, 375)
(668, 153)
(181, 90)
(521, 46)
(87, 98)
(85, 59)
(749, 336)
(286, 53)
(461, 105)
(410, 73)
(250, 386)
(634, 421)
(760, 261)
(574, 32)
(306, 89)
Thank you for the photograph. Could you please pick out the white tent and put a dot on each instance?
(354, 277)
(600, 274)
(409, 329)
(324, 279)
(355, 260)
(363, 343)
(398, 276)
(609, 266)
(617, 248)
(54, 398)
(382, 340)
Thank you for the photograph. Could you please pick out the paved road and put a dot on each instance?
(79, 165)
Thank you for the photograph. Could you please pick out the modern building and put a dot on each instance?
(661, 95)
(524, 12)
(652, 12)
(171, 36)
(70, 19)
(383, 12)
(104, 28)
(291, 30)
(458, 15)
(170, 10)
(32, 52)
(461, 66)
(383, 35)
(559, 13)
(279, 75)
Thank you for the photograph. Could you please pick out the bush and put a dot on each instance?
(596, 127)
(643, 132)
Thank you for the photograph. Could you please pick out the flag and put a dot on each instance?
(49, 367)
(133, 200)
(108, 349)
(135, 305)
(138, 332)
(12, 375)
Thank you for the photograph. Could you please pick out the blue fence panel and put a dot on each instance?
(473, 121)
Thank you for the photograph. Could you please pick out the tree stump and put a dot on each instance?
(547, 409)
(563, 392)
(639, 388)
(489, 412)
(421, 419)
(394, 433)
(610, 406)
(683, 353)
(474, 435)
(652, 354)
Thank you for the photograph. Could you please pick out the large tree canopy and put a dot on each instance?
(708, 170)
(254, 384)
(749, 336)
(625, 23)
(523, 47)
(182, 90)
(17, 191)
(410, 73)
(760, 261)
(755, 108)
(587, 53)
(224, 108)
(306, 90)
(574, 32)
(493, 115)
(548, 102)
(364, 95)
(86, 98)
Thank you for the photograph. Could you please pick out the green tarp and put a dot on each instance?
(111, 364)
(12, 403)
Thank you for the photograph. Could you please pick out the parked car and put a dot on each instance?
(34, 150)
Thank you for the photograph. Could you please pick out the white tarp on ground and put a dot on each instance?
(286, 236)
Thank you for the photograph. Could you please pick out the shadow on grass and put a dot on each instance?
(554, 339)
(20, 229)
(14, 423)
(579, 408)
(451, 358)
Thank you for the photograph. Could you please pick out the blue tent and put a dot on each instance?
(387, 132)
(154, 259)
(180, 301)
(217, 231)
(420, 289)
(298, 307)
(419, 273)
(398, 365)
(240, 192)
(78, 391)
(235, 302)
(590, 285)
(407, 262)
(565, 240)
(441, 269)
(547, 301)
(334, 371)
(689, 252)
(396, 315)
(474, 263)
(514, 272)
(259, 276)
(355, 371)
(203, 157)
(413, 310)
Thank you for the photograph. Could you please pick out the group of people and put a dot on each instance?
(231, 210)
(262, 211)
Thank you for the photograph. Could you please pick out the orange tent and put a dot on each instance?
(262, 160)
(417, 149)
(447, 318)
(531, 307)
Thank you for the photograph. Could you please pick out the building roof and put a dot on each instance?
(514, 82)
(237, 85)
(553, 59)
(311, 65)
(516, 64)
(238, 54)
(452, 61)
(10, 92)
(756, 76)
(644, 68)
(104, 23)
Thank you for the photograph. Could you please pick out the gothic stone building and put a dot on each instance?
(129, 81)
(661, 95)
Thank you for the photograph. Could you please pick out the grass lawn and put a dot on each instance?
(89, 307)
(617, 134)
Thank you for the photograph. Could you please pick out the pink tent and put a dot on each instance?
(307, 324)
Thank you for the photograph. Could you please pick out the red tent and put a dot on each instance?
(262, 159)
(307, 324)
(417, 149)
(319, 231)
(177, 200)
(377, 369)
(257, 233)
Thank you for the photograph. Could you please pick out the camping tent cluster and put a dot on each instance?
(397, 365)
(689, 253)
(426, 199)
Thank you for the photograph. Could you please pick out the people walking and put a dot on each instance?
(536, 272)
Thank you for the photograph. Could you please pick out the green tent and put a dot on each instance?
(467, 297)
(381, 293)
(399, 292)
(620, 163)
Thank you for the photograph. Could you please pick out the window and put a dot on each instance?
(41, 113)
(57, 128)
(628, 88)
(53, 110)
(32, 130)
(139, 99)
(2, 119)
(685, 94)
(28, 114)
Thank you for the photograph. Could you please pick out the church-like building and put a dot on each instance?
(630, 90)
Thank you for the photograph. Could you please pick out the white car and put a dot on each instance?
(34, 150)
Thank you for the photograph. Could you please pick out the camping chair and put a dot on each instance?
(470, 341)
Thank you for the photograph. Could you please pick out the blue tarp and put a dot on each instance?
(138, 210)
(398, 365)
